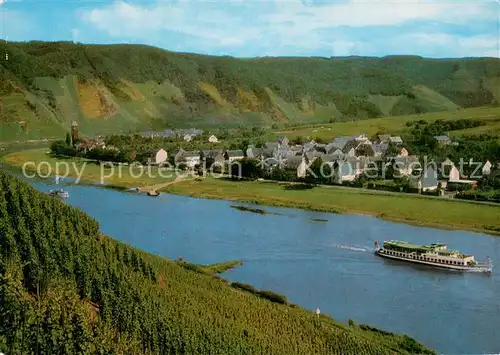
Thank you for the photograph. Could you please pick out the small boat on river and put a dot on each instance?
(60, 193)
(437, 255)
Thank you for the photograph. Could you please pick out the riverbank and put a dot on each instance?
(89, 171)
(404, 208)
(411, 209)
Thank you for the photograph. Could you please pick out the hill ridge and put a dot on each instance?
(180, 89)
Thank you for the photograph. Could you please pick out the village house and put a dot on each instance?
(331, 160)
(330, 148)
(85, 144)
(428, 179)
(336, 153)
(313, 155)
(283, 153)
(296, 148)
(270, 149)
(178, 154)
(383, 138)
(161, 156)
(379, 149)
(486, 169)
(454, 175)
(364, 149)
(271, 145)
(233, 155)
(309, 146)
(340, 142)
(193, 132)
(191, 159)
(395, 140)
(349, 169)
(443, 140)
(212, 157)
(255, 153)
(361, 139)
(444, 168)
(401, 152)
(213, 139)
(349, 149)
(271, 163)
(404, 165)
(297, 163)
(283, 142)
(187, 137)
(342, 172)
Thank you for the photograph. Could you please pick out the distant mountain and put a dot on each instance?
(111, 88)
(67, 289)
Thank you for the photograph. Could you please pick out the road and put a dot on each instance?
(156, 187)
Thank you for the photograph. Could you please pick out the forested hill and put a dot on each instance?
(111, 88)
(67, 289)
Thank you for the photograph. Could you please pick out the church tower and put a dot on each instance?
(74, 131)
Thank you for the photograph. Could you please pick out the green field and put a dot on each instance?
(413, 209)
(92, 172)
(397, 124)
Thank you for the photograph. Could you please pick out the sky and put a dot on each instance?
(257, 28)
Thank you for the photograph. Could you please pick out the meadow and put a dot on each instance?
(91, 172)
(398, 207)
(396, 125)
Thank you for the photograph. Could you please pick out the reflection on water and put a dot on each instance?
(330, 265)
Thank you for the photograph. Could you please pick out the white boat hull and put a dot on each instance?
(478, 268)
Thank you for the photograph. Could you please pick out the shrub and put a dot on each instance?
(273, 297)
(244, 287)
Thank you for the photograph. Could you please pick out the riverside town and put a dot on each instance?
(249, 177)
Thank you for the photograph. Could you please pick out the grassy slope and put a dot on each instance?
(406, 208)
(396, 124)
(96, 295)
(111, 88)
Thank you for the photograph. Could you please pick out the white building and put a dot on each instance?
(213, 139)
(161, 156)
(486, 170)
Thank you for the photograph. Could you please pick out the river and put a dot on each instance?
(327, 264)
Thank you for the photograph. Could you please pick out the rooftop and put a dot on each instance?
(428, 247)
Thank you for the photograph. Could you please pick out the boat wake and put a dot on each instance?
(352, 248)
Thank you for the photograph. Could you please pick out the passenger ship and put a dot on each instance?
(433, 254)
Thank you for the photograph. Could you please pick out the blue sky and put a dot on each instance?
(248, 28)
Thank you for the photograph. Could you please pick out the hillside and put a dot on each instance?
(112, 88)
(65, 288)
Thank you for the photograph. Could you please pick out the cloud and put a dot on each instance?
(17, 25)
(487, 45)
(298, 28)
(2, 2)
(74, 34)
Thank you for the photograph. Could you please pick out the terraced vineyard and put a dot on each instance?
(66, 288)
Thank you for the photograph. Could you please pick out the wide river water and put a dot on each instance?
(327, 264)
